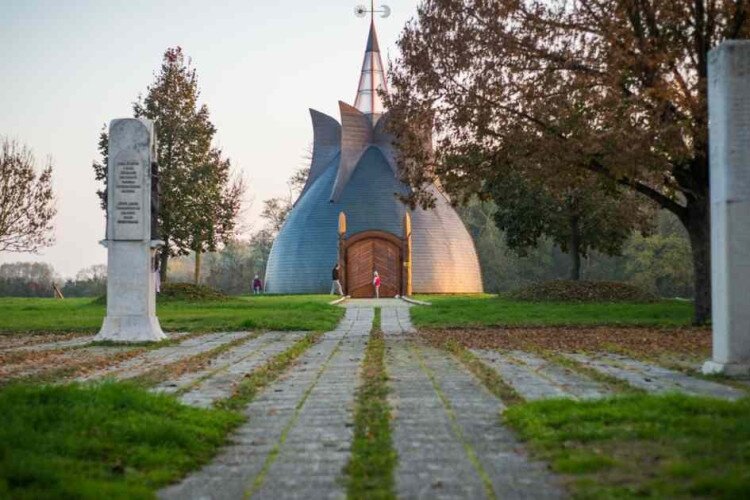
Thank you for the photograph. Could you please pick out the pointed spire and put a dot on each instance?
(372, 39)
(373, 77)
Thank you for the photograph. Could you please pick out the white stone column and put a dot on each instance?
(729, 136)
(131, 295)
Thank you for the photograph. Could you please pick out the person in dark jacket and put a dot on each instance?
(335, 282)
(257, 285)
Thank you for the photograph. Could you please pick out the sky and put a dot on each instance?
(70, 66)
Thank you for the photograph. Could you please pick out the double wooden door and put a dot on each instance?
(364, 256)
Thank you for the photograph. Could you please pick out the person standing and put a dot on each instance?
(335, 283)
(257, 285)
(157, 274)
(376, 283)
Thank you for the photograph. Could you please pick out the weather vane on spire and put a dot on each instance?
(362, 11)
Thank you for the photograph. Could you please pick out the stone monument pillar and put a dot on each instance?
(729, 136)
(131, 294)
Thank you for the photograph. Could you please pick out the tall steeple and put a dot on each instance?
(372, 78)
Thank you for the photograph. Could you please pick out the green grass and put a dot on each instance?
(370, 468)
(111, 440)
(671, 446)
(461, 311)
(299, 312)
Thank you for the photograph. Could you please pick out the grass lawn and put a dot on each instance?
(298, 312)
(461, 311)
(642, 445)
(111, 440)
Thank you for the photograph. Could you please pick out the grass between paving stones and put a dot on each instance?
(259, 378)
(116, 439)
(193, 363)
(614, 384)
(488, 376)
(461, 311)
(668, 446)
(455, 427)
(263, 312)
(108, 440)
(370, 471)
(274, 453)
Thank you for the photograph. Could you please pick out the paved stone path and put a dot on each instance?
(165, 355)
(446, 425)
(535, 378)
(299, 431)
(217, 380)
(396, 319)
(654, 378)
(447, 431)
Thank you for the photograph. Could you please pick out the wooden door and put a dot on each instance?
(365, 255)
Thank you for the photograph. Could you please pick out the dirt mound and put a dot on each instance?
(189, 292)
(583, 291)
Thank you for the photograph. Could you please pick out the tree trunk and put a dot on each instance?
(197, 270)
(575, 249)
(698, 225)
(163, 260)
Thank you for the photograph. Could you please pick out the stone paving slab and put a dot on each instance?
(299, 430)
(166, 355)
(536, 378)
(654, 378)
(220, 383)
(373, 303)
(396, 320)
(224, 361)
(448, 434)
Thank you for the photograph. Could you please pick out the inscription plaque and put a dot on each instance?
(129, 221)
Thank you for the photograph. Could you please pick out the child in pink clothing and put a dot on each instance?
(376, 282)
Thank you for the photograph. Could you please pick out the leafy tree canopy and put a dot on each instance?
(611, 87)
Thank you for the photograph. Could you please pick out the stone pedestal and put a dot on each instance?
(131, 294)
(729, 135)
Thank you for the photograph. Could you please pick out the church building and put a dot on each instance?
(348, 212)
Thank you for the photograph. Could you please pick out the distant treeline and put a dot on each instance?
(35, 279)
(230, 270)
(659, 263)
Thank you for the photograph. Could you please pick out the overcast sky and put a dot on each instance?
(69, 66)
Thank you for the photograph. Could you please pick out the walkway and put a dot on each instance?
(447, 429)
(298, 434)
(446, 426)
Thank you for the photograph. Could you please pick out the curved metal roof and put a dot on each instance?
(306, 248)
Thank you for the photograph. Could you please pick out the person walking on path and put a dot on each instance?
(335, 283)
(376, 283)
(257, 285)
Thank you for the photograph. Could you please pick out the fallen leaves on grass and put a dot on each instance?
(14, 341)
(60, 364)
(584, 291)
(636, 341)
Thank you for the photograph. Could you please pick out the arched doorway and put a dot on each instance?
(373, 251)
